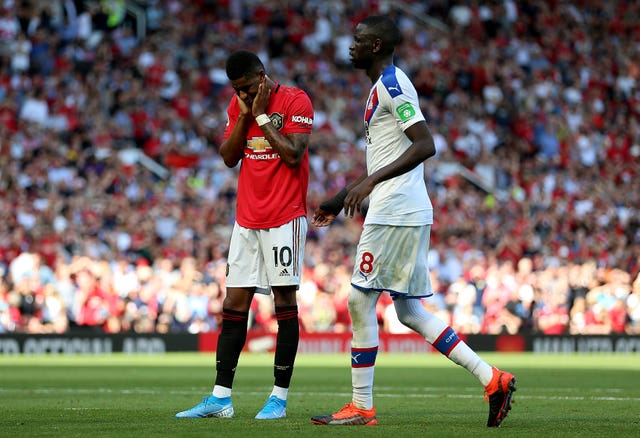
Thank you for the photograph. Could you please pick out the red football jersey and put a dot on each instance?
(270, 193)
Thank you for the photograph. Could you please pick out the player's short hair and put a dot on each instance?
(386, 29)
(243, 63)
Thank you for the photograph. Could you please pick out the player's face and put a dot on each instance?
(361, 49)
(247, 87)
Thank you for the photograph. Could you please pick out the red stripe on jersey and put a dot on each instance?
(372, 104)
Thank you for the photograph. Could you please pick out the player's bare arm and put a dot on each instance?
(422, 148)
(232, 149)
(291, 148)
(329, 209)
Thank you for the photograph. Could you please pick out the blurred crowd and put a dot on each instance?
(116, 210)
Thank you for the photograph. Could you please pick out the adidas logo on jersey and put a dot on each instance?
(284, 273)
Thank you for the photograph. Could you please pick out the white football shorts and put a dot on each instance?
(267, 257)
(393, 259)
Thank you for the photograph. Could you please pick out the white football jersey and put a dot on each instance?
(391, 108)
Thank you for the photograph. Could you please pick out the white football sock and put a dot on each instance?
(221, 391)
(362, 381)
(279, 392)
(464, 356)
(412, 313)
(362, 308)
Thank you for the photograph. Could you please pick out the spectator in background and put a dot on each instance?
(633, 308)
(553, 316)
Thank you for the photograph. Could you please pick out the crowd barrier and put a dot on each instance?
(97, 343)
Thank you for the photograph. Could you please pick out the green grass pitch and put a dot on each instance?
(590, 395)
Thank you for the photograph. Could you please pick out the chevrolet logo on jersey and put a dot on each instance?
(258, 144)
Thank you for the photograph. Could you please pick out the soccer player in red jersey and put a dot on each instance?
(268, 130)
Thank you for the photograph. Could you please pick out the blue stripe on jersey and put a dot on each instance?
(446, 341)
(391, 82)
(363, 357)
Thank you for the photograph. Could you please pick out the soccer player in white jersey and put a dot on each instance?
(392, 251)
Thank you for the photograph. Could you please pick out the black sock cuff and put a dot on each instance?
(234, 315)
(286, 312)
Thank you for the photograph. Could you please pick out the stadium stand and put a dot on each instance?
(115, 209)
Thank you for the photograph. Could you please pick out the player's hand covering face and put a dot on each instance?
(246, 89)
(261, 99)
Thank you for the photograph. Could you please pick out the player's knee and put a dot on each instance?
(238, 300)
(411, 313)
(356, 305)
(284, 296)
(362, 310)
(409, 321)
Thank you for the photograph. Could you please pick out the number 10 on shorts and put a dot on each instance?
(282, 256)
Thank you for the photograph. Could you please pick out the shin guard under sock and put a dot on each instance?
(230, 343)
(286, 344)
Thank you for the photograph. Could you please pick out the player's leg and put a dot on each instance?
(412, 313)
(383, 253)
(231, 339)
(233, 335)
(286, 310)
(364, 349)
(243, 276)
(499, 385)
(284, 255)
(364, 344)
(415, 244)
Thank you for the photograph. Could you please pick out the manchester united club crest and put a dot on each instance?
(277, 119)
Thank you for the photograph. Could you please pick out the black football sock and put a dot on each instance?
(230, 343)
(286, 345)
